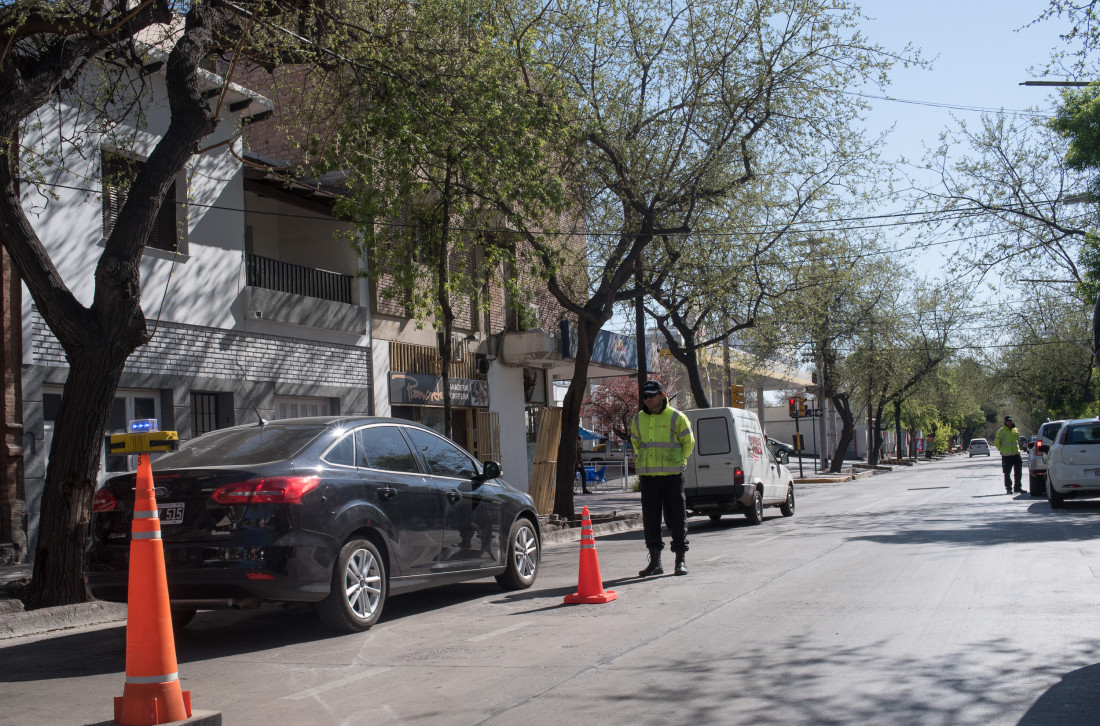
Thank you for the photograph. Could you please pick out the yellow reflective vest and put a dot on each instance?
(662, 441)
(1007, 441)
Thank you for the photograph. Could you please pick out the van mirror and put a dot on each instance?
(783, 458)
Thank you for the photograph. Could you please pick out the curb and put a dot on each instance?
(45, 620)
(628, 523)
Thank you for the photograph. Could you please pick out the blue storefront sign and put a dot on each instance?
(610, 349)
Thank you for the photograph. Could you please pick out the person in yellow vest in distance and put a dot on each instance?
(1007, 441)
(662, 441)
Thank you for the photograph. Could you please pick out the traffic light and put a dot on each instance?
(797, 441)
(792, 407)
(801, 407)
(737, 396)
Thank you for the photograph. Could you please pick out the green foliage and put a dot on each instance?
(456, 124)
(1077, 119)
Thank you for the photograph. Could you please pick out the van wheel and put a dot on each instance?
(787, 507)
(755, 512)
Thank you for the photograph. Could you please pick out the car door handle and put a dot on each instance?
(387, 493)
(453, 496)
(703, 466)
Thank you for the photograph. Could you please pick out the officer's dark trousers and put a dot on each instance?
(1011, 464)
(664, 494)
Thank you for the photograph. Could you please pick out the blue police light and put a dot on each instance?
(143, 425)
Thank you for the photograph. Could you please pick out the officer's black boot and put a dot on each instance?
(654, 566)
(681, 566)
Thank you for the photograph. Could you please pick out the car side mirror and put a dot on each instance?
(783, 458)
(490, 470)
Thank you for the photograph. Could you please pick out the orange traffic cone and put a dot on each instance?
(152, 694)
(589, 585)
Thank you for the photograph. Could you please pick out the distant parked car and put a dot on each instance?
(979, 446)
(339, 511)
(782, 449)
(602, 456)
(1036, 467)
(1073, 462)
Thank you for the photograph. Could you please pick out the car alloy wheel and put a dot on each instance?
(522, 555)
(358, 589)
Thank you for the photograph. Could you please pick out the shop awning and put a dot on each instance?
(590, 435)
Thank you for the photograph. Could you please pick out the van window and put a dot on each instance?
(712, 436)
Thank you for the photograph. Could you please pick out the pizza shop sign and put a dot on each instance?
(421, 390)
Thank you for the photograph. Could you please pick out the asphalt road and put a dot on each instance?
(922, 596)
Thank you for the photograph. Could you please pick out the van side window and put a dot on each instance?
(712, 437)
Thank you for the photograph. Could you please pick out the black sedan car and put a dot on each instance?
(340, 511)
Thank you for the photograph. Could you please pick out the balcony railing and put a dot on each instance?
(297, 280)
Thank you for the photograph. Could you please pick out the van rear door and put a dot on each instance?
(713, 461)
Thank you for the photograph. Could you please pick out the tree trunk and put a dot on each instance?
(72, 475)
(876, 436)
(847, 431)
(897, 430)
(571, 418)
(98, 339)
(444, 301)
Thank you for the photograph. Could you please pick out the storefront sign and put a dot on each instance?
(610, 349)
(421, 390)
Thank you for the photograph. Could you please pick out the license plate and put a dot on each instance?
(1094, 472)
(171, 513)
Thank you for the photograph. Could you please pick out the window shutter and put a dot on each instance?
(116, 170)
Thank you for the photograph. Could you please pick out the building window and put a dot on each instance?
(293, 407)
(127, 406)
(204, 413)
(118, 172)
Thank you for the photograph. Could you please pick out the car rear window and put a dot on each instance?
(1085, 434)
(242, 445)
(1050, 430)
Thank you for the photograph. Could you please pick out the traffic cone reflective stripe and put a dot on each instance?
(589, 584)
(152, 693)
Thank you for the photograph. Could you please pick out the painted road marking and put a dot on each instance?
(360, 674)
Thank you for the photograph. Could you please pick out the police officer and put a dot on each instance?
(1007, 441)
(662, 441)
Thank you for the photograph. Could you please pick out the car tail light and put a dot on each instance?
(269, 490)
(738, 476)
(104, 501)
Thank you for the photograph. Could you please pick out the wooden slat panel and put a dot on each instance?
(488, 436)
(423, 359)
(544, 469)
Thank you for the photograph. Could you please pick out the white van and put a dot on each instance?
(732, 469)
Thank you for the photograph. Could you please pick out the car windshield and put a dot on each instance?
(243, 445)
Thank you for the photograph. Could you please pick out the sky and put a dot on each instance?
(980, 52)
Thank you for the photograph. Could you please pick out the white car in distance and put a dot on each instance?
(978, 446)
